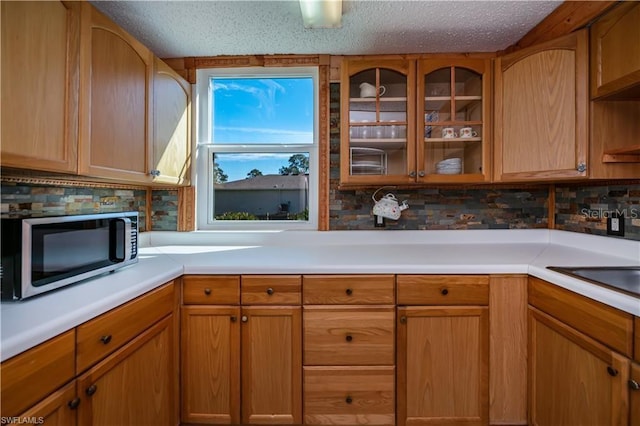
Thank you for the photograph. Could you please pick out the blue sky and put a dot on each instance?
(260, 111)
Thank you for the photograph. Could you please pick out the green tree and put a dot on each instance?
(298, 164)
(219, 176)
(253, 173)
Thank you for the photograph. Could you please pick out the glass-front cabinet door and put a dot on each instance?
(377, 122)
(453, 131)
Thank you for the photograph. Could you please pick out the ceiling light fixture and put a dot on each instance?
(321, 13)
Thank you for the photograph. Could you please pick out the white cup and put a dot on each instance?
(369, 90)
(468, 132)
(449, 133)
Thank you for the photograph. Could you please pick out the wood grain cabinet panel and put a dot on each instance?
(563, 361)
(40, 77)
(349, 395)
(636, 338)
(211, 290)
(349, 335)
(443, 289)
(348, 289)
(634, 395)
(135, 385)
(36, 373)
(58, 409)
(271, 289)
(116, 73)
(541, 111)
(443, 365)
(171, 148)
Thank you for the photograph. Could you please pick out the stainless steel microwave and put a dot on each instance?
(40, 254)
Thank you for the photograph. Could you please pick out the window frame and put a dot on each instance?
(205, 149)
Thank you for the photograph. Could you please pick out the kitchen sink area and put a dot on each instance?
(625, 279)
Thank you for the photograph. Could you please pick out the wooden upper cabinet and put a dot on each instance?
(541, 111)
(171, 150)
(116, 72)
(378, 116)
(40, 42)
(454, 95)
(615, 53)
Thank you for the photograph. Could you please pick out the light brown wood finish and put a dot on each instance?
(324, 148)
(349, 395)
(271, 365)
(541, 116)
(634, 395)
(636, 339)
(116, 73)
(209, 289)
(348, 289)
(210, 357)
(608, 325)
(508, 350)
(353, 335)
(54, 410)
(271, 289)
(134, 386)
(615, 53)
(102, 335)
(443, 289)
(563, 360)
(171, 148)
(40, 69)
(34, 374)
(443, 365)
(614, 126)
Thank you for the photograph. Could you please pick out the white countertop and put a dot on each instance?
(167, 255)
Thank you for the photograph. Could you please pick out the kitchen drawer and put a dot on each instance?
(271, 289)
(348, 289)
(211, 290)
(349, 395)
(34, 374)
(443, 290)
(363, 335)
(608, 325)
(102, 335)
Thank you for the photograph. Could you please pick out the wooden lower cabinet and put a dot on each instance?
(573, 379)
(442, 360)
(135, 385)
(58, 409)
(634, 394)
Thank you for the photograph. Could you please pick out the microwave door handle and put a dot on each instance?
(126, 239)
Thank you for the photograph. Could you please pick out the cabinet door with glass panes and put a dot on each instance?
(453, 128)
(377, 125)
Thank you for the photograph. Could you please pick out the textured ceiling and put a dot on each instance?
(241, 27)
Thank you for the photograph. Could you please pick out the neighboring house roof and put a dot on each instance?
(265, 182)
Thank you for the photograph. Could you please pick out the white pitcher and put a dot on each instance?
(369, 90)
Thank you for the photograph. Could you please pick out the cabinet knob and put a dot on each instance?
(421, 173)
(73, 404)
(581, 167)
(412, 173)
(234, 318)
(349, 291)
(633, 385)
(612, 371)
(444, 291)
(207, 291)
(91, 390)
(245, 318)
(349, 338)
(403, 320)
(106, 339)
(270, 291)
(155, 172)
(348, 400)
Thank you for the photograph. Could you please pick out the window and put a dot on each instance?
(257, 165)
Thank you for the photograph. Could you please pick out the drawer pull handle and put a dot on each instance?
(106, 339)
(73, 404)
(612, 371)
(245, 318)
(349, 291)
(270, 291)
(207, 291)
(633, 385)
(349, 338)
(91, 390)
(403, 320)
(234, 318)
(349, 400)
(444, 291)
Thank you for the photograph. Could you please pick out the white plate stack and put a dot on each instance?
(450, 166)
